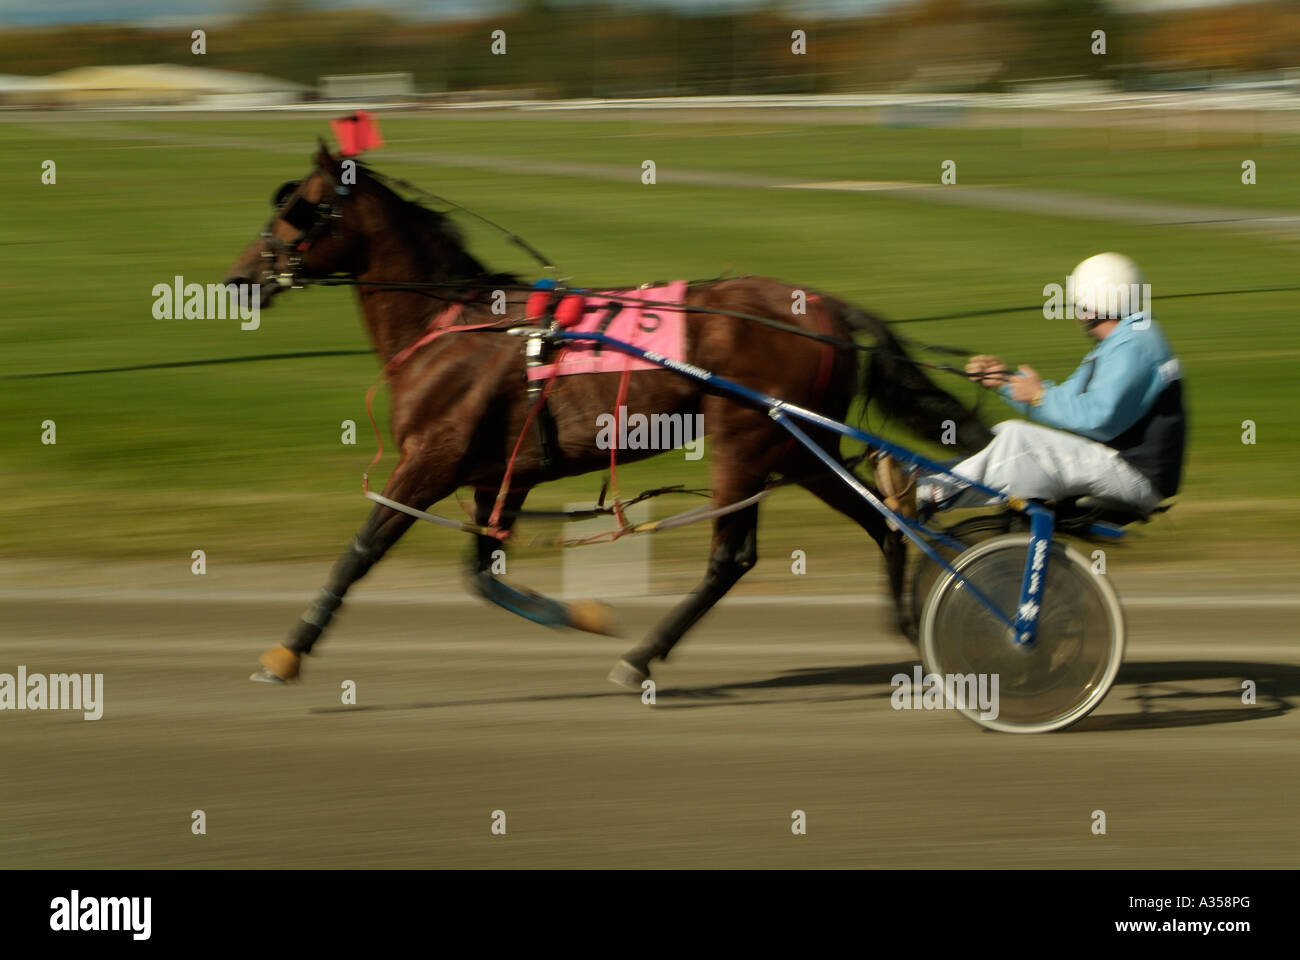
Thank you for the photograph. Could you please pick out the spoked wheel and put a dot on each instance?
(926, 573)
(1070, 667)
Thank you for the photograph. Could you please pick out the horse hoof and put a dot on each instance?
(593, 617)
(628, 676)
(279, 665)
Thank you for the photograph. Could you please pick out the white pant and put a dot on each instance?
(1038, 463)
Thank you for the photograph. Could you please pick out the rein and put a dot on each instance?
(510, 235)
(464, 285)
(314, 220)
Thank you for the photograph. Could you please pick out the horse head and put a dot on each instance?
(314, 231)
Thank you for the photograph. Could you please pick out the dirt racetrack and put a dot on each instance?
(773, 705)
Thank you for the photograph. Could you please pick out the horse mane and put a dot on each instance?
(444, 247)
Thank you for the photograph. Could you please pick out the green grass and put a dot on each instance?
(245, 460)
(1169, 166)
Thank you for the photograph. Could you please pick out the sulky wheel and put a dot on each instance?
(1074, 660)
(925, 572)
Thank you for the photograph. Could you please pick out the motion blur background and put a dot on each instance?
(628, 48)
(820, 167)
(1059, 152)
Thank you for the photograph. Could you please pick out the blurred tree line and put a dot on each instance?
(595, 50)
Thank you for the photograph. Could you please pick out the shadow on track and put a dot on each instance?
(1160, 690)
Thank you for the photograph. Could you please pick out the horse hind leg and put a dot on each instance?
(589, 615)
(735, 551)
(832, 491)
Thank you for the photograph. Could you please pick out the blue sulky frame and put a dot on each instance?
(1042, 521)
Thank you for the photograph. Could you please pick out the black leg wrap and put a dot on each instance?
(356, 560)
(321, 612)
(314, 622)
(480, 557)
(722, 575)
(353, 565)
(303, 636)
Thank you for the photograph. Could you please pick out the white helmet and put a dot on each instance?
(1108, 286)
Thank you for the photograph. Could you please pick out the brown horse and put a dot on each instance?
(460, 403)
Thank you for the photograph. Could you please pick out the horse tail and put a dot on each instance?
(904, 392)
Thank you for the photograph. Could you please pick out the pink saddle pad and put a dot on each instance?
(651, 319)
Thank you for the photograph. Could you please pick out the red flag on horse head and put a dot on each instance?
(357, 132)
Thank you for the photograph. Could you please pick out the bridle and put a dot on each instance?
(312, 220)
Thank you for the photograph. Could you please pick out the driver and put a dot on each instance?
(1114, 430)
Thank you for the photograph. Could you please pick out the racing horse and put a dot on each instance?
(460, 402)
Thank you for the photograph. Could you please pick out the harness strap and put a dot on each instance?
(544, 423)
(434, 518)
(504, 490)
(442, 323)
(652, 526)
(437, 327)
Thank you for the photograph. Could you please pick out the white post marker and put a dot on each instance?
(604, 570)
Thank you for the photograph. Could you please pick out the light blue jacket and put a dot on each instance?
(1115, 386)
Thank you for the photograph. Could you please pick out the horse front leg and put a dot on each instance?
(415, 483)
(589, 615)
